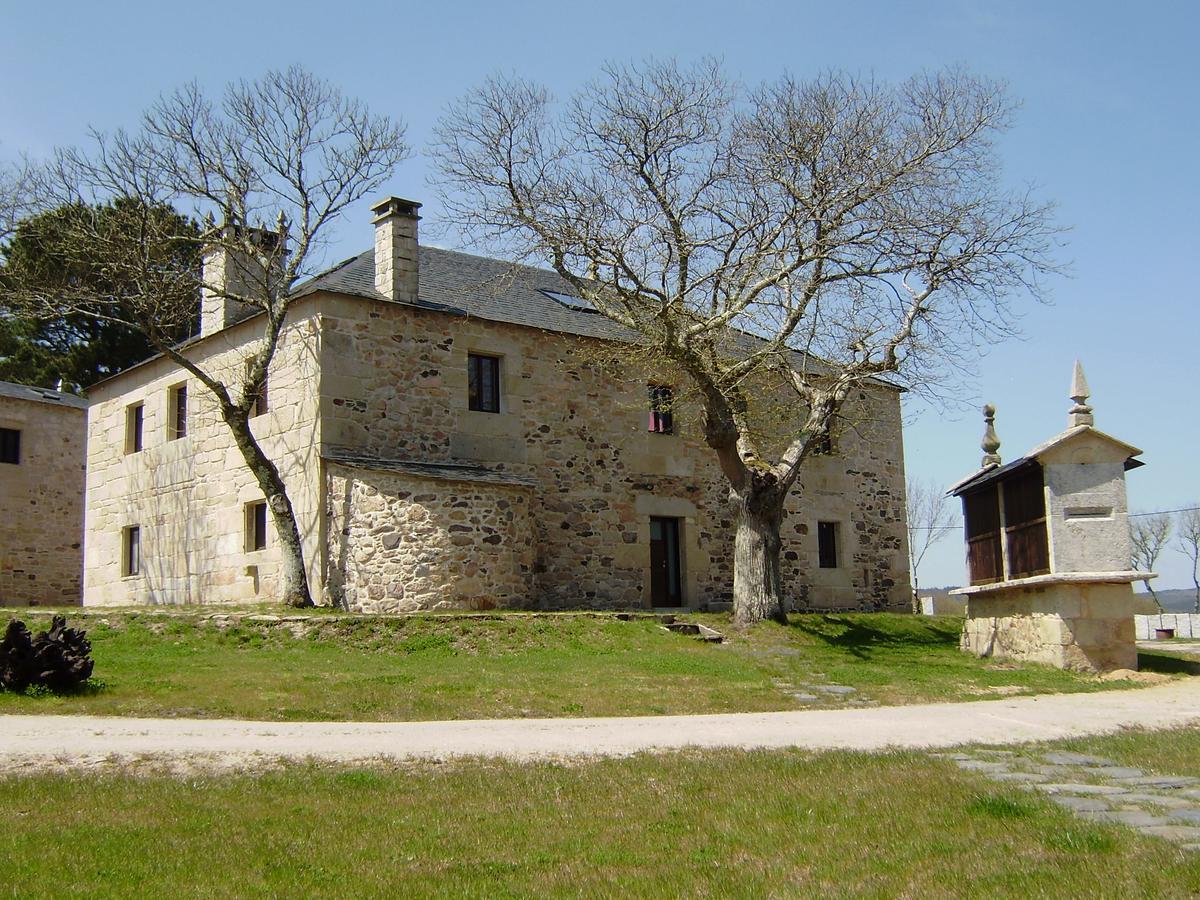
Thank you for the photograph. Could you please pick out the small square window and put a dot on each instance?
(827, 545)
(131, 551)
(260, 398)
(662, 414)
(483, 383)
(134, 417)
(10, 446)
(177, 412)
(256, 526)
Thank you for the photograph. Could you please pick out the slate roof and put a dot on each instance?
(468, 285)
(40, 395)
(456, 283)
(439, 471)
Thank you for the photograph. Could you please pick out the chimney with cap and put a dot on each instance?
(237, 263)
(396, 272)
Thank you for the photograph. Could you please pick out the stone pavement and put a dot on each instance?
(1098, 789)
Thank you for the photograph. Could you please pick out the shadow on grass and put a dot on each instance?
(89, 688)
(1167, 665)
(858, 637)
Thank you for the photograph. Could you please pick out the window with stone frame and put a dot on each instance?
(260, 405)
(134, 422)
(662, 409)
(177, 412)
(256, 526)
(131, 550)
(827, 545)
(10, 446)
(483, 383)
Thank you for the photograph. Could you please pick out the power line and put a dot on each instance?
(1161, 512)
(1165, 512)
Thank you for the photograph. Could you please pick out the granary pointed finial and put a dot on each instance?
(1081, 413)
(990, 443)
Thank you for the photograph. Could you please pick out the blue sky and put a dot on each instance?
(1109, 129)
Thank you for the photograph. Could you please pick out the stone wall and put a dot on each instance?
(394, 384)
(389, 381)
(41, 529)
(189, 495)
(399, 543)
(1086, 512)
(1185, 625)
(1086, 627)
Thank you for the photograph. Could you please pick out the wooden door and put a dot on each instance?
(665, 581)
(1025, 524)
(981, 520)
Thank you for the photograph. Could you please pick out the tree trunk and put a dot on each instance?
(1154, 595)
(295, 590)
(757, 582)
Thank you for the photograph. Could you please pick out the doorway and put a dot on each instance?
(666, 582)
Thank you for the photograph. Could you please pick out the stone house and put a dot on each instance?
(42, 434)
(448, 440)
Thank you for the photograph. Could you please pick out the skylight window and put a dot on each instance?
(570, 302)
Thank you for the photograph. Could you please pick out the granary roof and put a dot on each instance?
(40, 395)
(992, 473)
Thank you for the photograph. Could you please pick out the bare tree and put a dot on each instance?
(16, 197)
(1188, 543)
(792, 241)
(930, 518)
(288, 149)
(1149, 535)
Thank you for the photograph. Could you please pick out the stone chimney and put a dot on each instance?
(229, 273)
(396, 271)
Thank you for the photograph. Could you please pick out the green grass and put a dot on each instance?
(507, 665)
(1175, 752)
(712, 824)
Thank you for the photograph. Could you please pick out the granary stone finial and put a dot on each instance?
(990, 443)
(1081, 413)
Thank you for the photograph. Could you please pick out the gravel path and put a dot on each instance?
(84, 741)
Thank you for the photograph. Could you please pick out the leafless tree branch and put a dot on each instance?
(793, 240)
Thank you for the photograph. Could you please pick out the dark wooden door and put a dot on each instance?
(665, 581)
(1025, 524)
(981, 519)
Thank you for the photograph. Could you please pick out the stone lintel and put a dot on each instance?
(1034, 581)
(432, 471)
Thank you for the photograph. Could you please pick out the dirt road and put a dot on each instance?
(84, 741)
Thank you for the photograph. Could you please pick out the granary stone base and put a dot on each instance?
(1084, 626)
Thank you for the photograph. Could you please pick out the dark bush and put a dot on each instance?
(58, 659)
